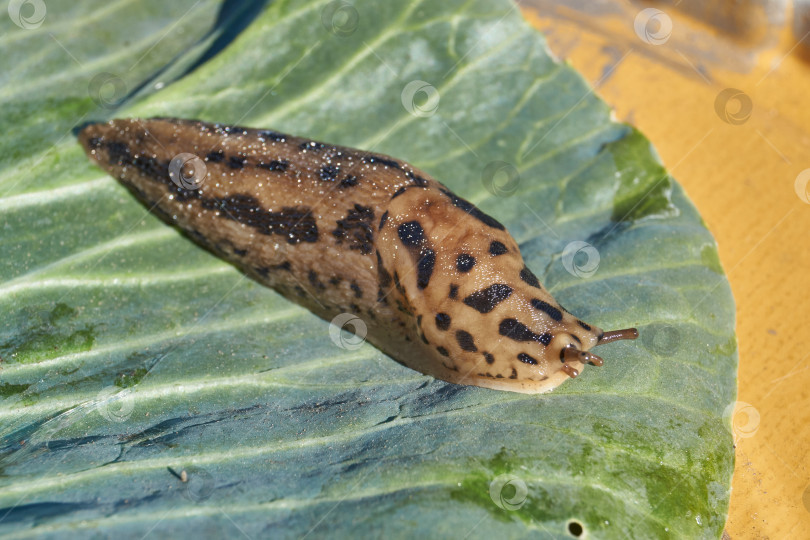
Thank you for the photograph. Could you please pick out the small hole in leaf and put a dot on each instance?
(575, 528)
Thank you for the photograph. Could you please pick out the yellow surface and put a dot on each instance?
(742, 179)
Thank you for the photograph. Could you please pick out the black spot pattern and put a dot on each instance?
(347, 182)
(453, 292)
(513, 329)
(119, 154)
(312, 145)
(215, 157)
(237, 162)
(399, 192)
(295, 224)
(383, 219)
(487, 299)
(358, 292)
(424, 268)
(416, 179)
(583, 325)
(312, 276)
(413, 237)
(286, 266)
(397, 283)
(497, 248)
(489, 358)
(527, 277)
(232, 130)
(442, 351)
(548, 309)
(526, 359)
(465, 263)
(411, 233)
(466, 341)
(383, 275)
(272, 135)
(404, 309)
(471, 209)
(356, 229)
(442, 321)
(382, 161)
(276, 165)
(329, 173)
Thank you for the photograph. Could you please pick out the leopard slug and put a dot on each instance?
(441, 286)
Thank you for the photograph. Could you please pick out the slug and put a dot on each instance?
(441, 286)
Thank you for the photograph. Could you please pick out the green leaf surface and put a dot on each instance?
(128, 352)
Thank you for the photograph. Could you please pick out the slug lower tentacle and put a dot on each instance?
(441, 286)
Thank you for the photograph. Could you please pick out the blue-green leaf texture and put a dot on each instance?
(130, 357)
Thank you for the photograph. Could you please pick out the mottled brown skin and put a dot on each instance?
(441, 286)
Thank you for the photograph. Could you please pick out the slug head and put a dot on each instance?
(482, 314)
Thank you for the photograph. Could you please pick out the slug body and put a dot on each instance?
(440, 285)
